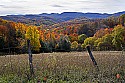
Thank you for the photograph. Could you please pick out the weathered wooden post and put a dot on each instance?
(94, 63)
(30, 58)
(92, 57)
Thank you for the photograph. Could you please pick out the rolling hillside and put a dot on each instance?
(54, 18)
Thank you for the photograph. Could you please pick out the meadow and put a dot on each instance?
(64, 67)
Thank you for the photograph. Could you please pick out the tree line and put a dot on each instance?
(100, 34)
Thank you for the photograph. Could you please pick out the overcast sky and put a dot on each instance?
(8, 7)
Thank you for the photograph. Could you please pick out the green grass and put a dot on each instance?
(72, 67)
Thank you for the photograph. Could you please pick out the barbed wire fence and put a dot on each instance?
(74, 67)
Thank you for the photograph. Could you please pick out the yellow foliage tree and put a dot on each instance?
(74, 45)
(33, 35)
(20, 30)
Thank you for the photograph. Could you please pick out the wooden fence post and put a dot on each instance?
(92, 57)
(30, 58)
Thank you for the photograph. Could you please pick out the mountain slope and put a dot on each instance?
(54, 18)
(72, 15)
(31, 19)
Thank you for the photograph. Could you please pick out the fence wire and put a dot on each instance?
(64, 67)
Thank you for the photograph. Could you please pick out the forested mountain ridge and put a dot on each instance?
(31, 19)
(72, 15)
(54, 18)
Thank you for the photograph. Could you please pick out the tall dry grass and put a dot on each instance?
(73, 67)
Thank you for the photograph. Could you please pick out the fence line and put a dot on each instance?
(75, 69)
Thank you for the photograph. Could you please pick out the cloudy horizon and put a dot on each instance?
(14, 7)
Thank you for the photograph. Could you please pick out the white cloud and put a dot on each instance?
(58, 6)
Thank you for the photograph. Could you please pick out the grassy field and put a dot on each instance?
(67, 67)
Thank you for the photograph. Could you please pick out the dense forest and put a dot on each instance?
(73, 35)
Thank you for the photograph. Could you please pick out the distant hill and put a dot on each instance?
(31, 19)
(119, 13)
(65, 16)
(72, 15)
(53, 18)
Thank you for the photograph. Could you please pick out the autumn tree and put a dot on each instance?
(122, 20)
(74, 45)
(3, 36)
(110, 22)
(64, 44)
(81, 38)
(104, 43)
(88, 29)
(73, 37)
(33, 35)
(118, 34)
(89, 41)
(100, 33)
(11, 35)
(20, 30)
